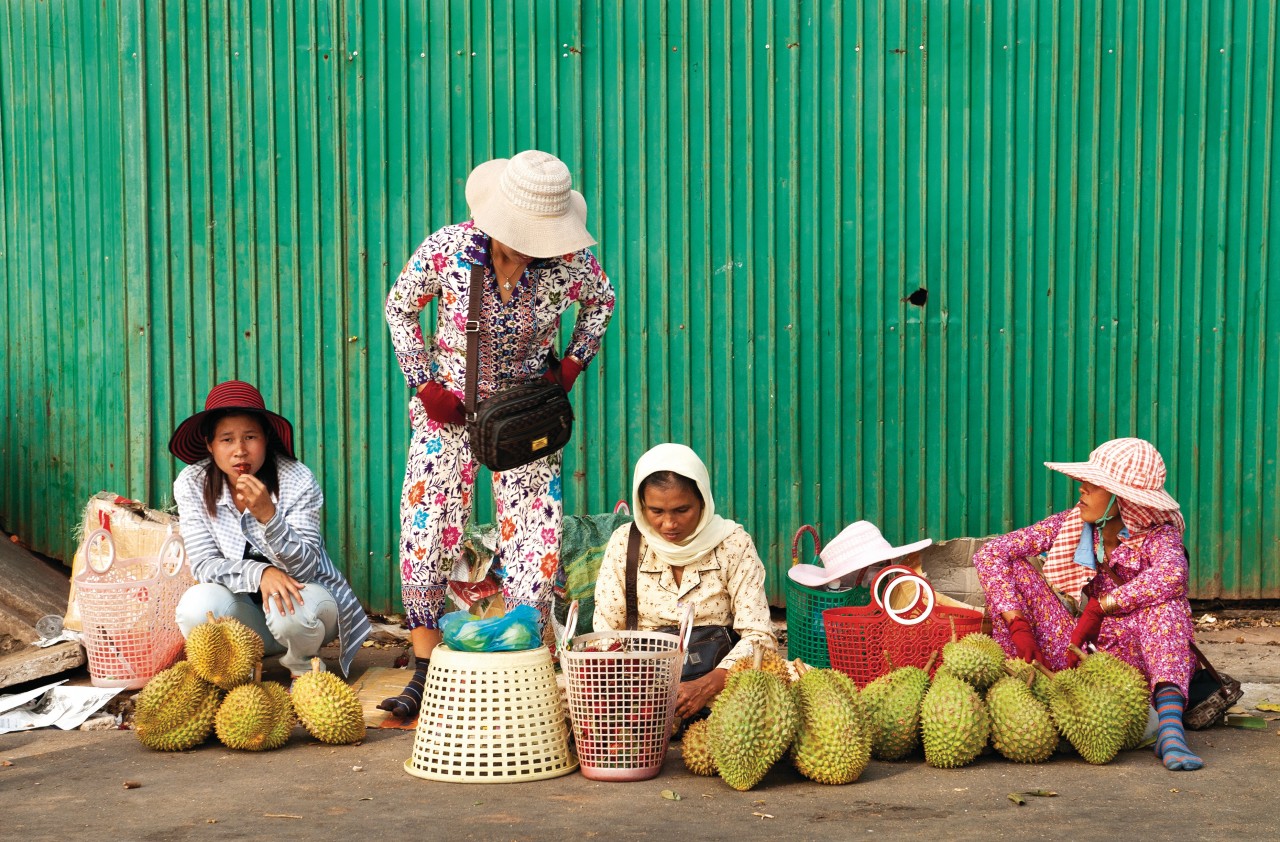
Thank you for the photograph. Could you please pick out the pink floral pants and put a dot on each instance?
(1156, 640)
(435, 505)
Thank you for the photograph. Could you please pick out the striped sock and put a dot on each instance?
(406, 705)
(1171, 739)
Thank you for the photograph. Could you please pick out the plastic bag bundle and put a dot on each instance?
(516, 630)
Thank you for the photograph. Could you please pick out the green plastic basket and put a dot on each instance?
(806, 637)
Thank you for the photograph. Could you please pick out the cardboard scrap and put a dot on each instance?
(376, 684)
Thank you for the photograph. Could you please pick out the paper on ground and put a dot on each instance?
(64, 707)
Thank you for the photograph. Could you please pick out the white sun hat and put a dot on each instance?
(858, 545)
(527, 202)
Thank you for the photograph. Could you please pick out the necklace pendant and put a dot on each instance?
(507, 286)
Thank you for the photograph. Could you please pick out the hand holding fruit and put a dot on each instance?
(253, 495)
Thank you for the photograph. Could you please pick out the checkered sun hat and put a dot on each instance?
(1129, 468)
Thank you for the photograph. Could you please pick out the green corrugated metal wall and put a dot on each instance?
(194, 192)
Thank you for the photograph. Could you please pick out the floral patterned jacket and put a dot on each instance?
(1153, 573)
(515, 336)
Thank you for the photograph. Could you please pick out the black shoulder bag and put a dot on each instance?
(708, 645)
(517, 425)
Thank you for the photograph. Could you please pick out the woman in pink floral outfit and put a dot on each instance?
(1119, 554)
(529, 234)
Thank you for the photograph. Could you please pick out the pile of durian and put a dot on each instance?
(219, 689)
(763, 713)
(830, 730)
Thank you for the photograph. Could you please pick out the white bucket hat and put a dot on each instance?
(527, 202)
(858, 545)
(1129, 468)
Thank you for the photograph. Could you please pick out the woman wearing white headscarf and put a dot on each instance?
(688, 555)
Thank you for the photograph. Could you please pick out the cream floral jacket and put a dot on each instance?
(726, 589)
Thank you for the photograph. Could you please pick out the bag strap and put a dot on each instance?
(633, 568)
(473, 339)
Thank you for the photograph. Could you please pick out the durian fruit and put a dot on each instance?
(255, 717)
(1027, 672)
(753, 722)
(832, 745)
(954, 723)
(175, 711)
(328, 708)
(772, 662)
(224, 651)
(1127, 687)
(1086, 715)
(892, 706)
(1021, 727)
(975, 658)
(695, 748)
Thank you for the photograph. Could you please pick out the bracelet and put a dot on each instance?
(1107, 603)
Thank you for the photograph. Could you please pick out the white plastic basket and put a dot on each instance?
(491, 717)
(621, 691)
(127, 610)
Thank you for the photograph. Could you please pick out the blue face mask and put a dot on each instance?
(1085, 556)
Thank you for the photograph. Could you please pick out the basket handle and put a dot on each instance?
(173, 548)
(99, 535)
(686, 625)
(795, 543)
(926, 590)
(891, 570)
(621, 506)
(570, 626)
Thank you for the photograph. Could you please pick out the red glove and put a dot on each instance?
(566, 374)
(1086, 630)
(1024, 642)
(441, 404)
(570, 368)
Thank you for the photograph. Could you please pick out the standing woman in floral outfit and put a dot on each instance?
(1118, 554)
(528, 232)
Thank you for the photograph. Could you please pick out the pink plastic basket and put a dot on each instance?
(127, 607)
(621, 692)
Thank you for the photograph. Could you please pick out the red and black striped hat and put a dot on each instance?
(189, 445)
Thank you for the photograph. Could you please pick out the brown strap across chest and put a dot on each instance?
(633, 569)
(474, 303)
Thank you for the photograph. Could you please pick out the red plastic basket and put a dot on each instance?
(865, 642)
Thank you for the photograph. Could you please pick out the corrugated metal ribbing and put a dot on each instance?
(874, 260)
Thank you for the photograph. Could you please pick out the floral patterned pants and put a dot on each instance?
(1156, 640)
(436, 503)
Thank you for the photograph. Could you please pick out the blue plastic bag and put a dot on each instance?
(515, 631)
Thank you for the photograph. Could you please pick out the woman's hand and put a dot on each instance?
(1024, 640)
(279, 589)
(253, 495)
(566, 374)
(694, 695)
(441, 404)
(1086, 630)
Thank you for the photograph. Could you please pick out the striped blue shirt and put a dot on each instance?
(291, 541)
